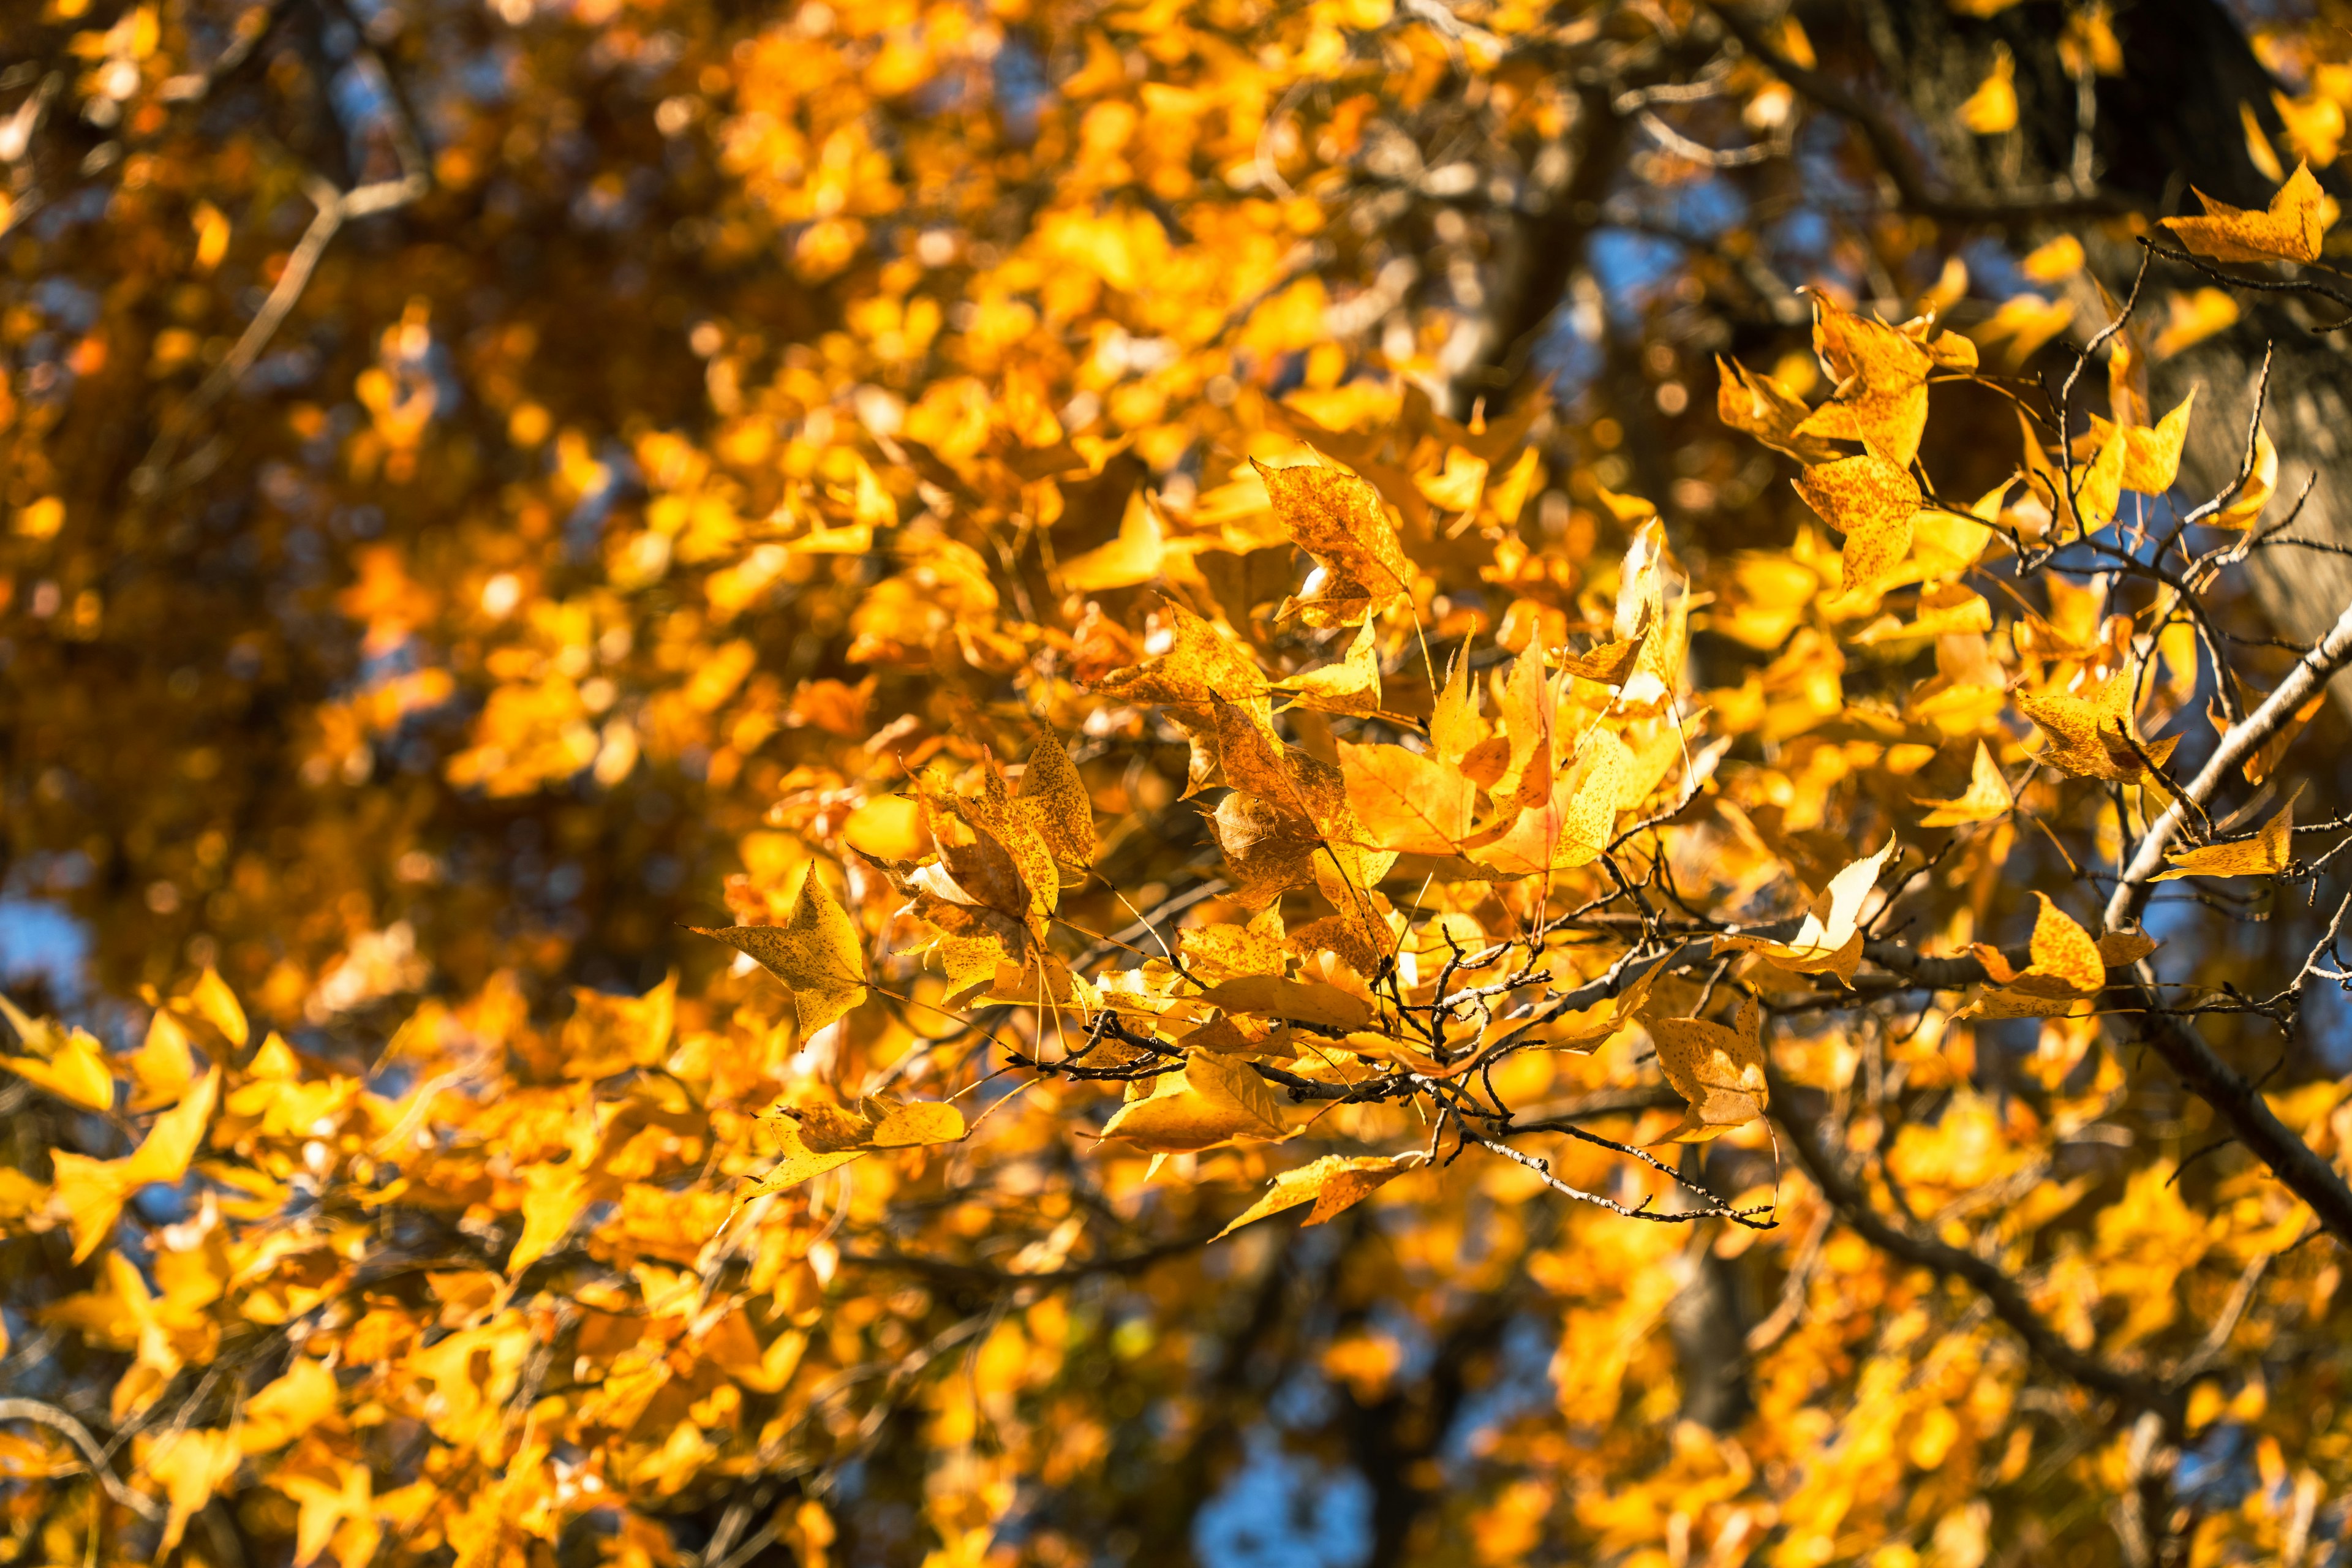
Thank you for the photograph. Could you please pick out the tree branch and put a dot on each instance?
(2003, 1294)
(50, 1415)
(1895, 152)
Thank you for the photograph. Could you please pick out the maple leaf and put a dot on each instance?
(1338, 519)
(1221, 951)
(1570, 826)
(1718, 1072)
(2245, 509)
(1406, 801)
(1454, 726)
(1300, 1001)
(163, 1066)
(818, 1137)
(1881, 376)
(2092, 736)
(1871, 502)
(1352, 686)
(2152, 460)
(2064, 960)
(1200, 665)
(2290, 229)
(284, 1409)
(1053, 800)
(193, 1464)
(1753, 402)
(817, 952)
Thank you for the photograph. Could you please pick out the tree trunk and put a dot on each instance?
(2169, 121)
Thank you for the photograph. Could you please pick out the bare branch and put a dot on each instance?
(58, 1420)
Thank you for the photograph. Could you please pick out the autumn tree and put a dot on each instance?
(1365, 782)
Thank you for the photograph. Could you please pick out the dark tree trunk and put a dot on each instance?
(2170, 121)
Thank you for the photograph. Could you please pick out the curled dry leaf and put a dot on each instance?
(1718, 1072)
(1829, 940)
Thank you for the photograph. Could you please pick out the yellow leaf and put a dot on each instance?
(1200, 665)
(287, 1407)
(1993, 107)
(2291, 229)
(1056, 802)
(193, 1464)
(2315, 126)
(324, 1508)
(553, 1197)
(1572, 825)
(1947, 611)
(1829, 942)
(1881, 376)
(1334, 1183)
(1301, 1001)
(2056, 261)
(1132, 558)
(2092, 736)
(1718, 1071)
(2064, 962)
(1986, 797)
(816, 951)
(1870, 500)
(163, 1067)
(1608, 663)
(1458, 486)
(2245, 509)
(2063, 951)
(92, 1191)
(77, 1074)
(1753, 402)
(2099, 488)
(2191, 317)
(2273, 751)
(1454, 726)
(1407, 802)
(215, 1004)
(1222, 949)
(917, 1123)
(799, 1163)
(1352, 686)
(2026, 322)
(1586, 1028)
(1651, 606)
(2266, 854)
(1210, 1100)
(212, 235)
(2122, 949)
(174, 1137)
(1338, 519)
(2153, 460)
